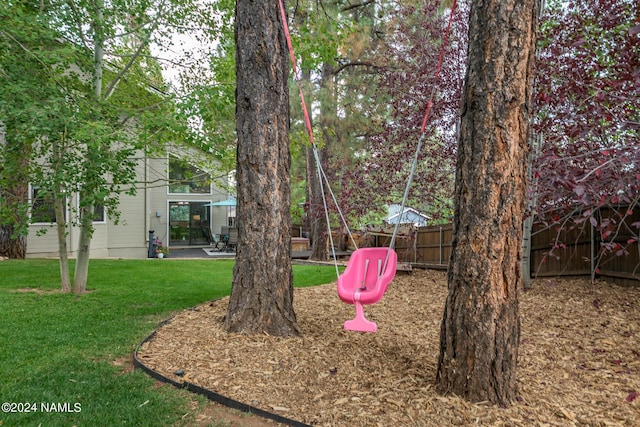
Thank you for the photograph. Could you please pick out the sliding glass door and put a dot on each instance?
(189, 223)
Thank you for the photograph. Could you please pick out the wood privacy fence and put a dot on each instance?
(570, 251)
(576, 250)
(428, 247)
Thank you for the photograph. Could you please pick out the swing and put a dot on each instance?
(369, 270)
(364, 281)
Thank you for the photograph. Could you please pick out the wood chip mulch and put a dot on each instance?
(579, 358)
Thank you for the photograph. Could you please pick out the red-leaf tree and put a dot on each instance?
(587, 107)
(408, 60)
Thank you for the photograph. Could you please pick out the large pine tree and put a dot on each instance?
(262, 291)
(480, 329)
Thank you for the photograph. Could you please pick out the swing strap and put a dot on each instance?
(322, 178)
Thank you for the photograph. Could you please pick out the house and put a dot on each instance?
(172, 197)
(408, 216)
(173, 200)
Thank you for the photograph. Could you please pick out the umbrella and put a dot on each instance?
(228, 202)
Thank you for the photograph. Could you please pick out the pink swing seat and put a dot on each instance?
(364, 282)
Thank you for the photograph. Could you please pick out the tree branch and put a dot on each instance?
(78, 22)
(357, 5)
(355, 64)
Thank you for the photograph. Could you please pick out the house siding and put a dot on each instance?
(43, 245)
(147, 210)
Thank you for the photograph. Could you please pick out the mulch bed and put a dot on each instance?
(579, 358)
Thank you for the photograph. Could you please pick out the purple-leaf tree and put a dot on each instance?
(587, 104)
(409, 58)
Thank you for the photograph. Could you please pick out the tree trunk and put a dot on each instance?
(480, 328)
(532, 202)
(61, 221)
(63, 252)
(316, 212)
(14, 193)
(261, 298)
(527, 228)
(11, 246)
(326, 122)
(317, 218)
(81, 274)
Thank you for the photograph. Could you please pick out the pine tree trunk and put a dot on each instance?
(261, 298)
(317, 218)
(480, 328)
(327, 120)
(316, 213)
(13, 247)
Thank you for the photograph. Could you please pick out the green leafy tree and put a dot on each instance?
(100, 63)
(588, 118)
(32, 97)
(334, 44)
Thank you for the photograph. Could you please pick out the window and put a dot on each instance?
(99, 213)
(187, 179)
(42, 207)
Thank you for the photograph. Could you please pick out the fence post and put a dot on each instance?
(440, 240)
(592, 253)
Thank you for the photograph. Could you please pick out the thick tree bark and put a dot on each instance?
(11, 246)
(262, 291)
(14, 192)
(317, 218)
(480, 328)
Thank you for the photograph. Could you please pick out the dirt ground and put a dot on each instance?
(579, 359)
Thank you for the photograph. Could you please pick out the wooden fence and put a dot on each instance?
(577, 250)
(428, 247)
(567, 252)
(570, 251)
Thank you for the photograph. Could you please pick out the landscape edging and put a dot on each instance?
(211, 395)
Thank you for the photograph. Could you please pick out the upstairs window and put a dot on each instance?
(187, 179)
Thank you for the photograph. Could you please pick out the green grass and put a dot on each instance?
(60, 348)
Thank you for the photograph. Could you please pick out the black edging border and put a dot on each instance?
(213, 396)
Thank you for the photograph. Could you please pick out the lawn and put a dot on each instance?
(60, 354)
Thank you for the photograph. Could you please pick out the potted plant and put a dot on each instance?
(161, 251)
